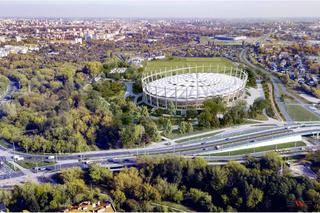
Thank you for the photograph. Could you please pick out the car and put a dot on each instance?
(40, 168)
(227, 139)
(17, 157)
(203, 143)
(126, 160)
(51, 157)
(204, 149)
(87, 162)
(252, 141)
(217, 147)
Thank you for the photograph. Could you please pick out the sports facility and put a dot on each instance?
(189, 86)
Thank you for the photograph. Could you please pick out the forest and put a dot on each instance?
(158, 183)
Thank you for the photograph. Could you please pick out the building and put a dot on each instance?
(118, 70)
(189, 87)
(87, 206)
(229, 38)
(78, 40)
(137, 61)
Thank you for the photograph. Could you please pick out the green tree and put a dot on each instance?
(255, 197)
(99, 174)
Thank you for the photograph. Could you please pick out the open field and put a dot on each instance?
(188, 61)
(32, 164)
(298, 113)
(174, 207)
(197, 137)
(261, 149)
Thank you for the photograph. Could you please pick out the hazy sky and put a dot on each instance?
(160, 8)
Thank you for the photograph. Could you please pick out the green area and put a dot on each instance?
(10, 164)
(32, 164)
(261, 117)
(298, 113)
(188, 61)
(198, 137)
(205, 39)
(169, 183)
(174, 207)
(261, 149)
(5, 144)
(4, 82)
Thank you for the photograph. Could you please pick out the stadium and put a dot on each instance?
(189, 87)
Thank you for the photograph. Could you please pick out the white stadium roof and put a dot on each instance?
(184, 86)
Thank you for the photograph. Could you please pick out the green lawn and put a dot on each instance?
(32, 164)
(261, 117)
(5, 144)
(298, 113)
(188, 61)
(175, 207)
(197, 137)
(260, 149)
(4, 82)
(204, 40)
(9, 164)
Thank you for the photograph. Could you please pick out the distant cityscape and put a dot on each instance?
(159, 114)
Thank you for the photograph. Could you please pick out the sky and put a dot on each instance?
(160, 8)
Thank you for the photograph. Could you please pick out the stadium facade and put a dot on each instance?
(189, 87)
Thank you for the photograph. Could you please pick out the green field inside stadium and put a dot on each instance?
(188, 61)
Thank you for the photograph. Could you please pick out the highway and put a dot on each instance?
(117, 159)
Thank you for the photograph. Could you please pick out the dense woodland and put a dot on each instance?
(256, 185)
(60, 108)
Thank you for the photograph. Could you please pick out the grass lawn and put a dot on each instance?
(175, 207)
(5, 144)
(32, 164)
(261, 117)
(187, 61)
(197, 137)
(260, 149)
(14, 168)
(298, 113)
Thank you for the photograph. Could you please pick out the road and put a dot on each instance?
(276, 84)
(11, 89)
(117, 159)
(277, 94)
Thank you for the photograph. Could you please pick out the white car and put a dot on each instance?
(51, 157)
(18, 157)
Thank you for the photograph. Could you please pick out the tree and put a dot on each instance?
(118, 197)
(183, 127)
(167, 126)
(172, 108)
(99, 174)
(169, 191)
(200, 199)
(255, 197)
(151, 129)
(68, 175)
(131, 135)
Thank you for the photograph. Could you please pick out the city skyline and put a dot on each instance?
(160, 8)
